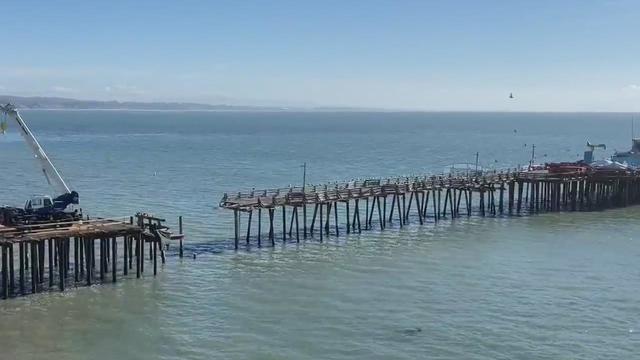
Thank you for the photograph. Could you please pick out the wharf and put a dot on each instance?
(430, 198)
(76, 253)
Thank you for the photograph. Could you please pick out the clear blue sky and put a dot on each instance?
(445, 55)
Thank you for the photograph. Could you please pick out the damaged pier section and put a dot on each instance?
(379, 203)
(45, 257)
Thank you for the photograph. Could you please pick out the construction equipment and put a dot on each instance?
(39, 207)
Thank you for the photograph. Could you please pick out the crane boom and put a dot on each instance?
(48, 169)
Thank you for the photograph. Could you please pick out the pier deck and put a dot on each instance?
(427, 198)
(63, 254)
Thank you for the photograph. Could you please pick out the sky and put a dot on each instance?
(397, 54)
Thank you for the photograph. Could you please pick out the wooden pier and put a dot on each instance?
(379, 203)
(43, 257)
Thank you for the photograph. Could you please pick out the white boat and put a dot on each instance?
(535, 169)
(629, 158)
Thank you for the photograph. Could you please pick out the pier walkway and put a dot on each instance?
(424, 198)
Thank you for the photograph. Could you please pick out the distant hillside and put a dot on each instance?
(73, 104)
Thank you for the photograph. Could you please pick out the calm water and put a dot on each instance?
(547, 287)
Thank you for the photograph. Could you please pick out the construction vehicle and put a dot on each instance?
(39, 208)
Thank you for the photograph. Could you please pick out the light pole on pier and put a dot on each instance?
(477, 158)
(304, 175)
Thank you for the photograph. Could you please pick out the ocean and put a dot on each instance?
(552, 286)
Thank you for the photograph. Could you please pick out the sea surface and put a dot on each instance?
(553, 286)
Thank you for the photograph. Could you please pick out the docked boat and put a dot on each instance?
(568, 168)
(535, 169)
(629, 158)
(609, 167)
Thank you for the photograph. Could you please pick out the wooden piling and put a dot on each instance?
(501, 203)
(5, 275)
(114, 259)
(400, 211)
(21, 264)
(50, 248)
(320, 221)
(335, 215)
(248, 231)
(102, 254)
(61, 251)
(125, 254)
(142, 254)
(284, 223)
(34, 271)
(313, 219)
(76, 265)
(304, 218)
(370, 215)
(271, 232)
(138, 256)
(89, 254)
(297, 227)
(155, 258)
(380, 215)
(236, 226)
(347, 215)
(384, 211)
(12, 285)
(326, 225)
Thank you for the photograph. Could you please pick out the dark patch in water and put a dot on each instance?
(411, 331)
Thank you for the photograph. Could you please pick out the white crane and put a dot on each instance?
(42, 205)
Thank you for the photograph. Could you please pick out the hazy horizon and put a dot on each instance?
(409, 55)
(249, 108)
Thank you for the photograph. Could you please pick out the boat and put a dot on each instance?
(629, 158)
(568, 168)
(609, 167)
(535, 169)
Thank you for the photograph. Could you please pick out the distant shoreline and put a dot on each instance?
(303, 110)
(66, 104)
(292, 110)
(152, 110)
